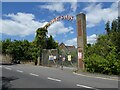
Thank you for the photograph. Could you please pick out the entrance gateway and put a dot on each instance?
(81, 34)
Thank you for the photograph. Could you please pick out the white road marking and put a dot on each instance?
(8, 68)
(54, 79)
(95, 77)
(34, 74)
(0, 66)
(19, 71)
(83, 86)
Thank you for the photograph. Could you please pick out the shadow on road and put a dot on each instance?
(6, 82)
(7, 63)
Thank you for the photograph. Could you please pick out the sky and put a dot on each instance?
(20, 20)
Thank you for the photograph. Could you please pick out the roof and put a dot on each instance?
(62, 44)
(68, 47)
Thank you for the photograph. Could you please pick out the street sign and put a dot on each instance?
(55, 58)
(69, 57)
(79, 55)
(60, 56)
(63, 59)
(51, 57)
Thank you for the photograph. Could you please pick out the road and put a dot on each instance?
(27, 76)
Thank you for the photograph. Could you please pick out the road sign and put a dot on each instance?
(60, 56)
(69, 57)
(63, 59)
(51, 57)
(55, 58)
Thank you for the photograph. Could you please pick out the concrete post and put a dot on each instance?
(38, 61)
(81, 38)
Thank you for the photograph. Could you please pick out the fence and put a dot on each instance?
(57, 58)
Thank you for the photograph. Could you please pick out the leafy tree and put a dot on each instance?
(103, 56)
(51, 44)
(41, 41)
(107, 27)
(25, 50)
(40, 38)
(114, 25)
(5, 46)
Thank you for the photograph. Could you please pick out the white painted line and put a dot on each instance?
(8, 68)
(0, 66)
(34, 74)
(19, 71)
(54, 79)
(95, 77)
(83, 86)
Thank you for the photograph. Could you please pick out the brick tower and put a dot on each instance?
(81, 38)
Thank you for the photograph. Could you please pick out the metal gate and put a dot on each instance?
(46, 54)
(58, 58)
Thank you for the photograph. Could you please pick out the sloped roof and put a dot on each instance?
(69, 48)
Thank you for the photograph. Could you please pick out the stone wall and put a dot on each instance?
(5, 58)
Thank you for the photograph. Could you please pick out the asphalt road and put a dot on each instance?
(27, 76)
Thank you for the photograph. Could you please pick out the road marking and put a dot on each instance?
(8, 68)
(19, 71)
(83, 86)
(54, 79)
(34, 74)
(95, 77)
(0, 66)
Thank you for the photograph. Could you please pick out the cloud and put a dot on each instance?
(23, 24)
(20, 24)
(71, 32)
(53, 6)
(59, 6)
(102, 0)
(95, 13)
(58, 28)
(90, 40)
(74, 5)
(71, 42)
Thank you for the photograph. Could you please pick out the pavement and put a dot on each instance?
(29, 76)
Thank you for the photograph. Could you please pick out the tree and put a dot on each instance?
(51, 44)
(5, 46)
(103, 56)
(107, 28)
(40, 38)
(19, 50)
(114, 25)
(41, 41)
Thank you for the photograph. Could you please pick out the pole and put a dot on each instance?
(62, 65)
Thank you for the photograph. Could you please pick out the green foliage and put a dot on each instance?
(104, 56)
(6, 44)
(19, 50)
(107, 27)
(40, 38)
(51, 44)
(25, 50)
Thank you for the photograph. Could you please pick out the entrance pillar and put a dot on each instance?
(81, 38)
